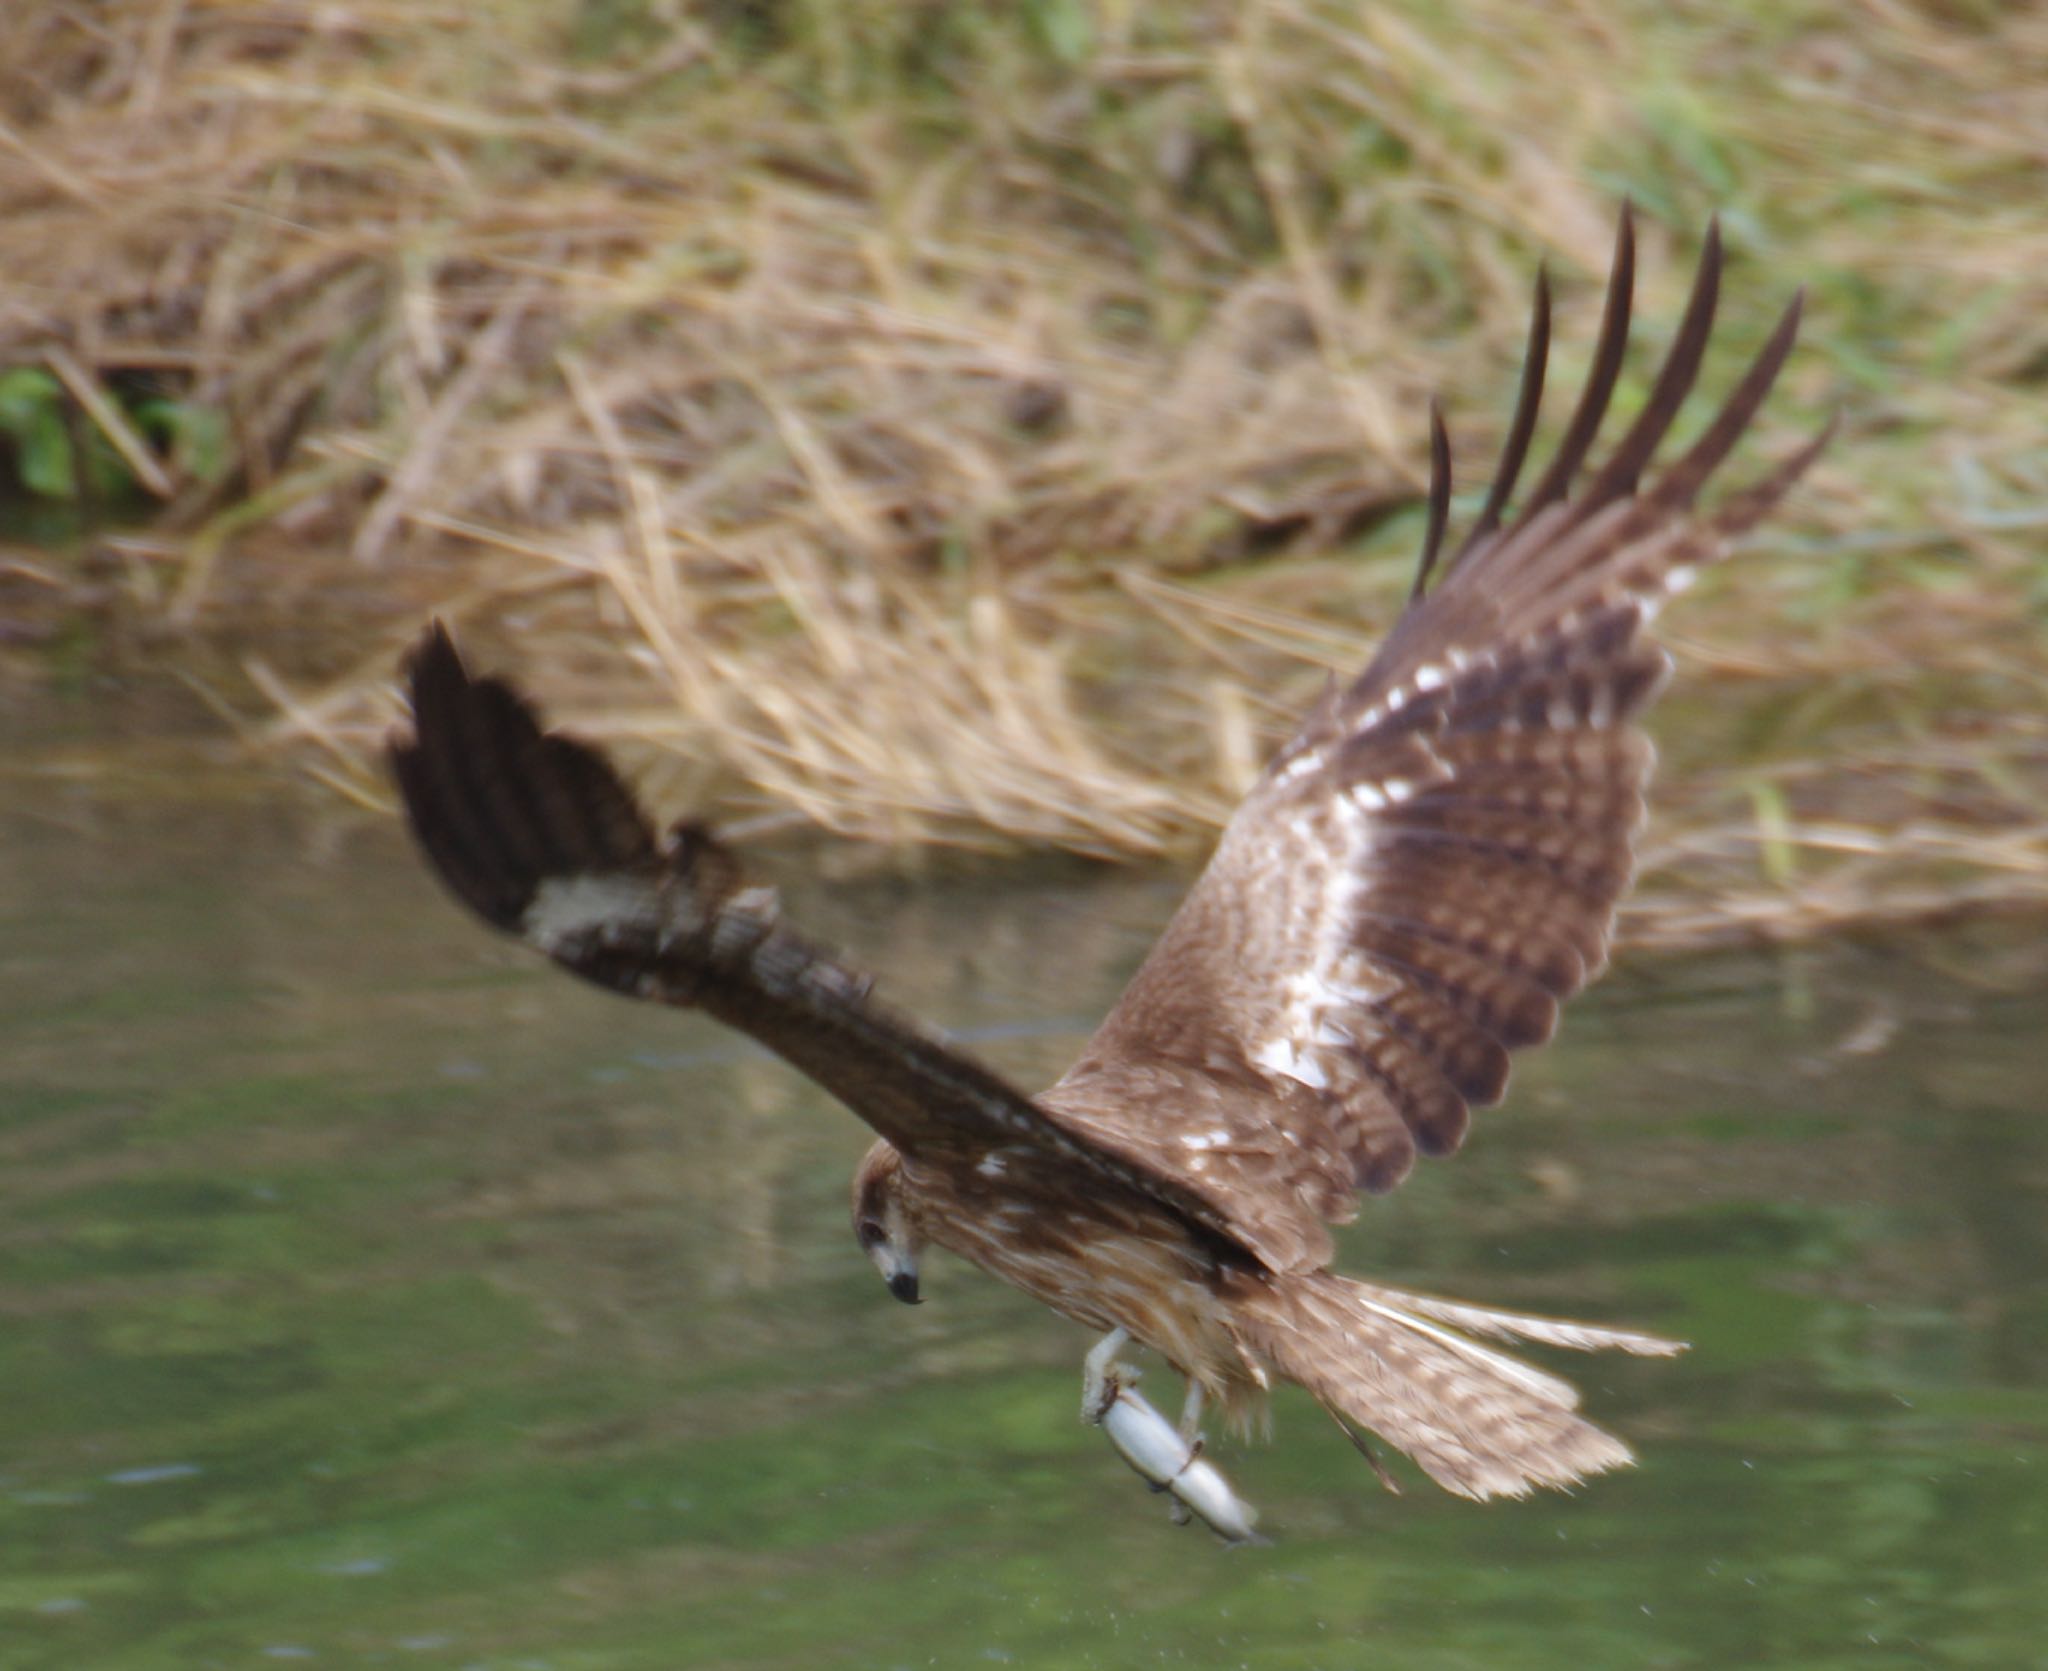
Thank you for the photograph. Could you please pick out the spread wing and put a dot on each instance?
(538, 835)
(1430, 867)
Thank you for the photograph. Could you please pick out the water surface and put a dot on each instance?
(370, 1295)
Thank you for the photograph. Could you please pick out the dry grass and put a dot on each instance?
(984, 425)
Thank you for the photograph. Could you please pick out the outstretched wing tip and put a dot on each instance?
(1439, 500)
(499, 804)
(430, 668)
(431, 656)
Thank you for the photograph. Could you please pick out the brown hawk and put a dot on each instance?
(1421, 876)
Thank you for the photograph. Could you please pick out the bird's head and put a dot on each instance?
(883, 1222)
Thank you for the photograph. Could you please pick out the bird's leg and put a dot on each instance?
(1190, 1433)
(1191, 1419)
(1102, 1375)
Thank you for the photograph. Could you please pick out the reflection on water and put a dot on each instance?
(371, 1295)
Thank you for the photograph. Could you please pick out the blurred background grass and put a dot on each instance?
(977, 424)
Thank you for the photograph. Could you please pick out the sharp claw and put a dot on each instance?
(1103, 1378)
(1099, 1395)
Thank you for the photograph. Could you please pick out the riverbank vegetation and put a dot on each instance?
(985, 425)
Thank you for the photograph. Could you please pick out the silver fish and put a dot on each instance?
(1150, 1444)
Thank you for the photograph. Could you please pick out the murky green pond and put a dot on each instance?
(372, 1296)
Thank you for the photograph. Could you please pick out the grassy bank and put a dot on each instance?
(984, 424)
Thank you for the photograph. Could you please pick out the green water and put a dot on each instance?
(371, 1296)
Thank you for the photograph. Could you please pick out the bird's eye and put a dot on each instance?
(870, 1233)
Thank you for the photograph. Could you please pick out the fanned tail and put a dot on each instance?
(1478, 1422)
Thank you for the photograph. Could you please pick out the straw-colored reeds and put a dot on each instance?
(970, 424)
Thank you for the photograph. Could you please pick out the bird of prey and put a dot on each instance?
(1421, 876)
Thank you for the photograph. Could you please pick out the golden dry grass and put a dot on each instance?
(984, 425)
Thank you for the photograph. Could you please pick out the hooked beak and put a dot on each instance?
(897, 1266)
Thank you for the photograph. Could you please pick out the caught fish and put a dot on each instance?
(1150, 1444)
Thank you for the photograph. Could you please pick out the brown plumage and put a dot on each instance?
(1423, 874)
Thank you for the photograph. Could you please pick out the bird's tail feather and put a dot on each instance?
(1477, 1421)
(1519, 1325)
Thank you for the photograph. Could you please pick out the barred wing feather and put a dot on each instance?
(1430, 867)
